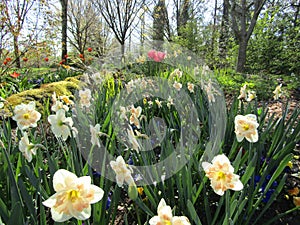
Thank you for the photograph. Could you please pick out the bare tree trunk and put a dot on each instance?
(64, 27)
(223, 41)
(243, 26)
(242, 55)
(214, 29)
(183, 16)
(123, 50)
(159, 23)
(16, 52)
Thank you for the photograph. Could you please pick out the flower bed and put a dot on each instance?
(154, 138)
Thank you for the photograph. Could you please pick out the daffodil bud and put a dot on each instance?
(132, 191)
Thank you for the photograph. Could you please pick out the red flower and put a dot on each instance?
(25, 59)
(8, 59)
(90, 49)
(61, 62)
(46, 59)
(81, 56)
(66, 56)
(15, 75)
(4, 62)
(156, 55)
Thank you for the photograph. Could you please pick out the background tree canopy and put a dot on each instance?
(248, 36)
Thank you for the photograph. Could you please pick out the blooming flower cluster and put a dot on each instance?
(26, 116)
(85, 98)
(221, 174)
(61, 125)
(165, 217)
(28, 149)
(277, 92)
(246, 94)
(157, 56)
(74, 196)
(123, 172)
(246, 127)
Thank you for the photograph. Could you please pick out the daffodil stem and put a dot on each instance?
(227, 208)
(137, 214)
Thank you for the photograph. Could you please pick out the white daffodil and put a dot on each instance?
(59, 105)
(28, 149)
(132, 139)
(176, 73)
(251, 96)
(123, 171)
(74, 196)
(95, 134)
(170, 102)
(26, 116)
(85, 97)
(243, 92)
(277, 92)
(190, 87)
(165, 217)
(246, 127)
(130, 86)
(2, 100)
(135, 114)
(123, 112)
(158, 103)
(177, 85)
(97, 78)
(66, 100)
(60, 125)
(220, 173)
(210, 91)
(95, 131)
(54, 97)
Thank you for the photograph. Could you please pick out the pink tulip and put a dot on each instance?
(157, 56)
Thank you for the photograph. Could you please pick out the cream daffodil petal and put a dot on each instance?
(180, 220)
(221, 175)
(73, 197)
(62, 179)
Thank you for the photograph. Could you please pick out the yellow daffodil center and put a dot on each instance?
(26, 116)
(220, 175)
(66, 100)
(73, 195)
(246, 126)
(167, 222)
(60, 123)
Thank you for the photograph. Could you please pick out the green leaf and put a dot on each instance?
(193, 213)
(16, 216)
(27, 198)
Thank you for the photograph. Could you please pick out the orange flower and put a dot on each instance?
(8, 59)
(15, 75)
(4, 62)
(81, 56)
(46, 59)
(294, 191)
(25, 59)
(90, 49)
